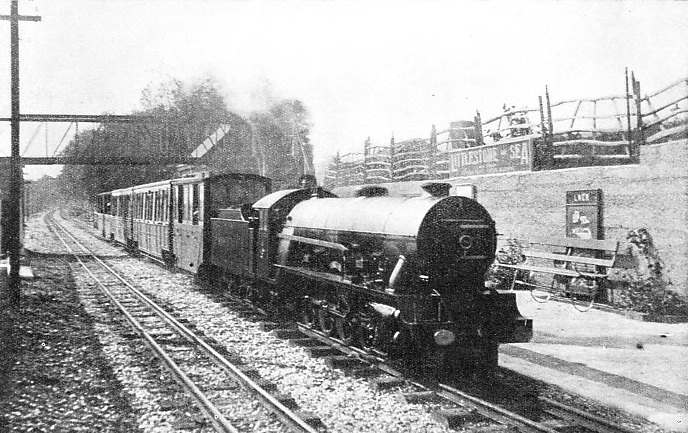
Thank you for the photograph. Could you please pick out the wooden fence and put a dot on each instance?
(570, 133)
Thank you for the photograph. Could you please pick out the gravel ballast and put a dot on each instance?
(70, 369)
(343, 403)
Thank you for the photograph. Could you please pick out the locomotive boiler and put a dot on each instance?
(396, 276)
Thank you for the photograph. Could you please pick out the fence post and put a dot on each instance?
(638, 112)
(391, 158)
(632, 145)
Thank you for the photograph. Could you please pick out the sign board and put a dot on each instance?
(500, 157)
(465, 190)
(584, 214)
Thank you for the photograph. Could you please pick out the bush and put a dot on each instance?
(511, 254)
(647, 289)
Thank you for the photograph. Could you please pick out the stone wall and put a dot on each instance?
(652, 194)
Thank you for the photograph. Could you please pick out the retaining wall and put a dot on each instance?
(652, 195)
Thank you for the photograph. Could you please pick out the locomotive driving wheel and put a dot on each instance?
(326, 321)
(345, 325)
(345, 329)
(309, 313)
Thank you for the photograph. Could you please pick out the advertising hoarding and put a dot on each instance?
(500, 157)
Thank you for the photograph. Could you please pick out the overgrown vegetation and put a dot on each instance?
(511, 253)
(178, 117)
(647, 289)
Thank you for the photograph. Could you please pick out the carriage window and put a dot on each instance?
(158, 205)
(187, 203)
(144, 197)
(154, 206)
(159, 212)
(195, 209)
(151, 206)
(165, 204)
(126, 206)
(180, 203)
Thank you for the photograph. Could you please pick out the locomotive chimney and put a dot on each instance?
(437, 189)
(372, 191)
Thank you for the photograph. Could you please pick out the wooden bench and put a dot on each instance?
(580, 264)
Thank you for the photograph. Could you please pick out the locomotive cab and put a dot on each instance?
(272, 211)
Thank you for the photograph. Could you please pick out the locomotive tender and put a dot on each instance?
(396, 276)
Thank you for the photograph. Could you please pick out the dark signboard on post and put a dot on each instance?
(584, 214)
(500, 157)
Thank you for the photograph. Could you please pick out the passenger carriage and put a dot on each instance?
(196, 200)
(120, 230)
(151, 218)
(102, 218)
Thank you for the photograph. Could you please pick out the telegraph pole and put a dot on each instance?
(13, 226)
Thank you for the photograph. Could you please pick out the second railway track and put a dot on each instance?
(184, 353)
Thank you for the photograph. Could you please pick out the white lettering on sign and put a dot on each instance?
(581, 196)
(492, 158)
(519, 151)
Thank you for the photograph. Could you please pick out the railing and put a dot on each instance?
(570, 133)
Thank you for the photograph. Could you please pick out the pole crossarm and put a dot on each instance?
(85, 118)
(20, 17)
(95, 160)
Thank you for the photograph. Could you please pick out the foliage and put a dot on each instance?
(647, 289)
(84, 181)
(43, 193)
(178, 117)
(282, 133)
(511, 253)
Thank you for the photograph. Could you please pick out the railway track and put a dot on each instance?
(450, 405)
(458, 406)
(183, 352)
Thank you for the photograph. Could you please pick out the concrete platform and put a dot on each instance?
(639, 367)
(25, 271)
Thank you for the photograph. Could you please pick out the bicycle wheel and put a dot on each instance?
(583, 292)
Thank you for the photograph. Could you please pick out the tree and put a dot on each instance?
(282, 134)
(274, 143)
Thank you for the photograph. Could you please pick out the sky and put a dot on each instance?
(362, 68)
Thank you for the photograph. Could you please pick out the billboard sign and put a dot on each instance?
(500, 157)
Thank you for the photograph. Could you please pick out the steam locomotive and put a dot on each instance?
(395, 276)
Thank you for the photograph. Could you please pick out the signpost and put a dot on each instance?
(584, 214)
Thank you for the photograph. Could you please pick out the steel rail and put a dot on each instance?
(485, 408)
(492, 411)
(587, 420)
(210, 410)
(286, 415)
(489, 410)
